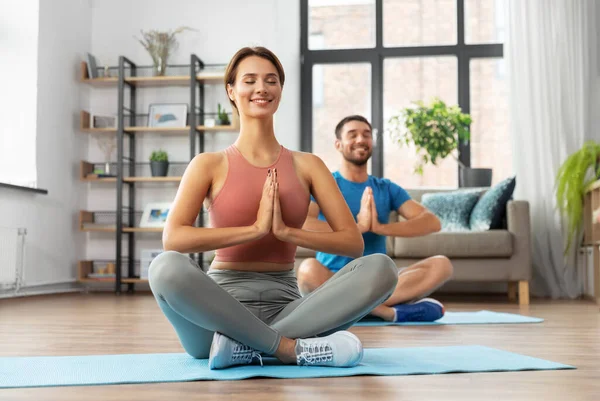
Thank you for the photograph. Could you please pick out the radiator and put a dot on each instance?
(12, 251)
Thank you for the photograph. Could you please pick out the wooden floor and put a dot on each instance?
(80, 324)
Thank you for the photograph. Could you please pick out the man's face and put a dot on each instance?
(356, 143)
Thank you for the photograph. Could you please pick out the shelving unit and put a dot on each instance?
(122, 221)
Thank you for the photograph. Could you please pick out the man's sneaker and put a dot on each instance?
(423, 310)
(341, 349)
(225, 352)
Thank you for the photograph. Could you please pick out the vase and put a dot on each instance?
(160, 66)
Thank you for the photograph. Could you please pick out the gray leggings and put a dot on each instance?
(197, 306)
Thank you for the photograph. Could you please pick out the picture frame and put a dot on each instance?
(103, 121)
(147, 255)
(155, 214)
(167, 115)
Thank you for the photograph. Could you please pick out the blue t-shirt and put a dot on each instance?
(387, 195)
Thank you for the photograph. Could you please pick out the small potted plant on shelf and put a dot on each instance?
(222, 117)
(159, 163)
(577, 172)
(436, 130)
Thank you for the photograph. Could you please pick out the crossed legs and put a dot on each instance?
(197, 306)
(414, 282)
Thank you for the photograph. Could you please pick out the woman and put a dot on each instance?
(257, 194)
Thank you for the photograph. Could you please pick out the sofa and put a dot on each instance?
(497, 255)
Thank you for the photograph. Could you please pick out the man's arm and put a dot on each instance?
(312, 222)
(419, 221)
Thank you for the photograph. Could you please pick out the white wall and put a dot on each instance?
(221, 29)
(53, 241)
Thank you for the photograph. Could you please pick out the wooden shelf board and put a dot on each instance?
(217, 128)
(99, 130)
(175, 80)
(592, 186)
(162, 130)
(134, 280)
(101, 82)
(181, 80)
(125, 229)
(107, 179)
(166, 130)
(96, 280)
(134, 179)
(112, 280)
(152, 179)
(142, 229)
(99, 229)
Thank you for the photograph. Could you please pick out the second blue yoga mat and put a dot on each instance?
(479, 317)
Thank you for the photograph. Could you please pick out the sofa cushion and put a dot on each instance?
(452, 208)
(495, 243)
(490, 211)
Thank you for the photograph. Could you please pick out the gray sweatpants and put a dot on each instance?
(269, 304)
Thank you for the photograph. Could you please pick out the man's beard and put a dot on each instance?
(358, 162)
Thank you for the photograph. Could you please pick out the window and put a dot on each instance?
(345, 89)
(342, 24)
(375, 57)
(419, 22)
(18, 97)
(489, 111)
(405, 80)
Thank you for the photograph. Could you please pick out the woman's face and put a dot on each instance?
(257, 90)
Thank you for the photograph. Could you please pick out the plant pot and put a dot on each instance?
(159, 169)
(475, 177)
(218, 122)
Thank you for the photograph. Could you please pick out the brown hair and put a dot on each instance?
(340, 126)
(259, 51)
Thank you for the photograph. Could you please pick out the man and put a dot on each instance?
(371, 199)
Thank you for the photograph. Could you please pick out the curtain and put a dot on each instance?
(550, 53)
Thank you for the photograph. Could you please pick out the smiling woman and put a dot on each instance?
(257, 194)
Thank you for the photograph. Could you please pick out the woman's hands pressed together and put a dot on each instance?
(269, 217)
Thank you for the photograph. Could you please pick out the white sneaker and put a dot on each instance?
(225, 352)
(341, 349)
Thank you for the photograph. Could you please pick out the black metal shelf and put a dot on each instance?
(127, 170)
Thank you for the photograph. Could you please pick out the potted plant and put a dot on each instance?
(159, 163)
(576, 173)
(436, 130)
(222, 117)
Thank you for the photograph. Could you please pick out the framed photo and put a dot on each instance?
(155, 214)
(146, 257)
(103, 121)
(168, 115)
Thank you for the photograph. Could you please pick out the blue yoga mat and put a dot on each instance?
(479, 317)
(155, 368)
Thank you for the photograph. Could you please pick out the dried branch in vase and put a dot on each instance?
(160, 46)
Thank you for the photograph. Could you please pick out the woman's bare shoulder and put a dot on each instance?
(309, 166)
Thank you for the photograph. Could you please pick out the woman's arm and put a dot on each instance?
(345, 239)
(312, 222)
(180, 234)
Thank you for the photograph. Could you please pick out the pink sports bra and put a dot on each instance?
(237, 204)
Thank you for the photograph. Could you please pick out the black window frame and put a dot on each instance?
(376, 56)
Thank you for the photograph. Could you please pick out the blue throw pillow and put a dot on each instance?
(490, 211)
(452, 208)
